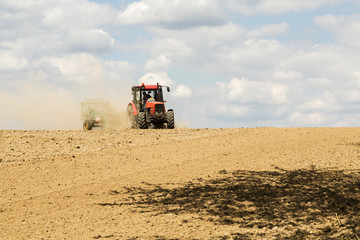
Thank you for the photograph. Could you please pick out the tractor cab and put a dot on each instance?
(148, 107)
(143, 93)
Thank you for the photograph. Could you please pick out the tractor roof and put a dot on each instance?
(149, 87)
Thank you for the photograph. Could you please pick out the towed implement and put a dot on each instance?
(147, 108)
(94, 113)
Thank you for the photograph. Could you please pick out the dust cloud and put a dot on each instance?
(43, 107)
(116, 119)
(51, 111)
(181, 124)
(48, 95)
(39, 110)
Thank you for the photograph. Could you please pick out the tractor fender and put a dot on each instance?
(134, 108)
(170, 110)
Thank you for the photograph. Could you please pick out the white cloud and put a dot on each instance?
(188, 47)
(82, 68)
(9, 62)
(348, 120)
(251, 7)
(75, 14)
(332, 61)
(170, 48)
(269, 30)
(157, 64)
(323, 103)
(252, 56)
(243, 91)
(182, 91)
(348, 96)
(355, 82)
(152, 78)
(345, 28)
(286, 75)
(226, 48)
(117, 68)
(310, 119)
(315, 104)
(53, 16)
(173, 14)
(321, 82)
(89, 40)
(41, 28)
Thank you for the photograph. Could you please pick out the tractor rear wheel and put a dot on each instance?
(130, 117)
(141, 120)
(170, 119)
(87, 125)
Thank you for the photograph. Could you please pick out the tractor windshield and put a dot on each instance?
(156, 94)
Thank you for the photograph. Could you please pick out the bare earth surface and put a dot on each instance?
(261, 183)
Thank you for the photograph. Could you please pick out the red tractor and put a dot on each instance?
(148, 108)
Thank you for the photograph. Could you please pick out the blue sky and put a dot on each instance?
(230, 63)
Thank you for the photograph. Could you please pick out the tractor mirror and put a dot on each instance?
(168, 89)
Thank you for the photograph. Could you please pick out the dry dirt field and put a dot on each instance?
(259, 183)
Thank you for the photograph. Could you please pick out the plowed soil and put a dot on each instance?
(260, 183)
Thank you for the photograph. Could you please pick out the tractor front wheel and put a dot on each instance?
(141, 120)
(170, 119)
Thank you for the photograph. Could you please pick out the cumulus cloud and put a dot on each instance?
(244, 91)
(62, 15)
(153, 78)
(310, 119)
(251, 7)
(156, 64)
(243, 102)
(10, 62)
(89, 40)
(170, 48)
(229, 48)
(182, 91)
(253, 57)
(270, 30)
(286, 75)
(42, 28)
(82, 68)
(87, 76)
(345, 28)
(217, 48)
(173, 14)
(324, 103)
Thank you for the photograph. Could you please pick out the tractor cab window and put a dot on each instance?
(147, 95)
(158, 95)
(137, 96)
